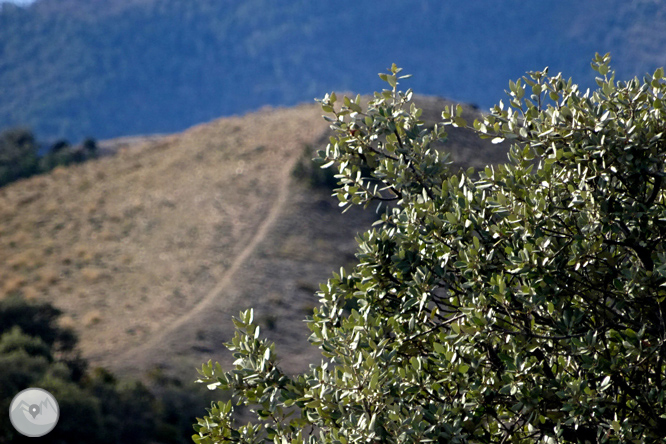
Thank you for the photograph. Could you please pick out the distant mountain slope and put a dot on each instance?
(76, 68)
(151, 251)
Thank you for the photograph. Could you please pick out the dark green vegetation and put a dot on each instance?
(314, 177)
(73, 68)
(19, 155)
(523, 303)
(95, 406)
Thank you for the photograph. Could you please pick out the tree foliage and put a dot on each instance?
(18, 155)
(95, 407)
(523, 303)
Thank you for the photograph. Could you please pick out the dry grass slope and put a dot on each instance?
(151, 251)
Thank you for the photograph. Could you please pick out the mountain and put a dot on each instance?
(151, 251)
(78, 68)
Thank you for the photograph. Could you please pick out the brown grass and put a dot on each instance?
(31, 293)
(91, 317)
(48, 275)
(67, 322)
(13, 284)
(92, 275)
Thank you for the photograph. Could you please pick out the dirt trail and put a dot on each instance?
(218, 290)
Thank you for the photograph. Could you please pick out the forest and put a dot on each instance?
(71, 69)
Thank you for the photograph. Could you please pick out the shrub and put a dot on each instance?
(18, 155)
(307, 173)
(95, 407)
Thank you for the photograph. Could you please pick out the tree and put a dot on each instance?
(95, 407)
(523, 303)
(39, 320)
(90, 148)
(18, 155)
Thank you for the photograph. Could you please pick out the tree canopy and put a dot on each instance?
(523, 303)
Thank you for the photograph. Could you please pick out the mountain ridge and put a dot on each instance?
(78, 69)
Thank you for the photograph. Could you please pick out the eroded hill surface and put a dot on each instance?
(151, 251)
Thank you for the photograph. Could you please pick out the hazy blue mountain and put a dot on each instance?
(104, 68)
(18, 2)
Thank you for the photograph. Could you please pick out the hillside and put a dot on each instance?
(79, 68)
(151, 251)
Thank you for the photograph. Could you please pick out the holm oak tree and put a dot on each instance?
(523, 303)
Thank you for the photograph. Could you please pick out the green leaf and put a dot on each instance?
(356, 108)
(374, 380)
